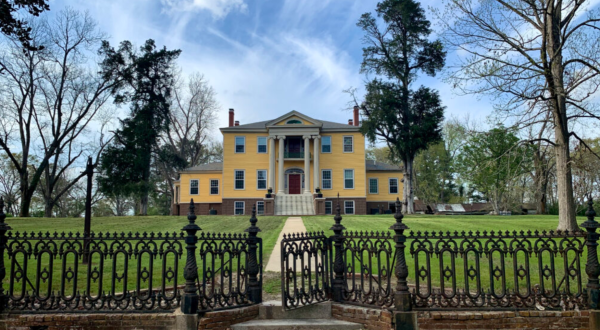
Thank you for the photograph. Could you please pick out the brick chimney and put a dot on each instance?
(350, 122)
(356, 115)
(231, 116)
(237, 123)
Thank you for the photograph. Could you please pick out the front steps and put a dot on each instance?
(314, 317)
(294, 204)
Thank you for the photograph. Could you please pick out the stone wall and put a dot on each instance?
(504, 320)
(77, 321)
(370, 318)
(222, 320)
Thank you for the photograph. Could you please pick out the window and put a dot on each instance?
(239, 179)
(214, 186)
(328, 207)
(348, 179)
(260, 208)
(393, 185)
(240, 144)
(348, 144)
(194, 186)
(261, 179)
(239, 208)
(373, 186)
(326, 144)
(326, 179)
(294, 121)
(262, 145)
(349, 207)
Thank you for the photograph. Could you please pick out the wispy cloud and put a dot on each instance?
(218, 8)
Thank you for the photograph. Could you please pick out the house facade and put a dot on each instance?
(307, 163)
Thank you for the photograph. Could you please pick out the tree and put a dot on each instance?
(492, 161)
(9, 185)
(381, 155)
(540, 61)
(407, 120)
(14, 27)
(586, 170)
(433, 174)
(52, 96)
(146, 82)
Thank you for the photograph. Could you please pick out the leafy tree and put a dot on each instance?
(539, 59)
(396, 51)
(147, 81)
(492, 161)
(433, 174)
(13, 26)
(381, 155)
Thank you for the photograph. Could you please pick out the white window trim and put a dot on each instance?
(353, 179)
(258, 145)
(263, 204)
(197, 180)
(331, 179)
(353, 207)
(243, 207)
(344, 144)
(330, 202)
(218, 187)
(374, 193)
(266, 180)
(330, 144)
(235, 179)
(390, 186)
(235, 145)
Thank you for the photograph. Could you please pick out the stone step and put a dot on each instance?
(269, 310)
(303, 324)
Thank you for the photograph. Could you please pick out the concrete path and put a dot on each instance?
(292, 225)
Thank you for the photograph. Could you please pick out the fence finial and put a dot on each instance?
(192, 213)
(189, 303)
(253, 220)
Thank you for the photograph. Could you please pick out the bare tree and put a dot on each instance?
(55, 96)
(9, 185)
(527, 53)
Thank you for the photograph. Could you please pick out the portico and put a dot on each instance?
(292, 153)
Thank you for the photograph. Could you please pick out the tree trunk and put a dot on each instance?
(564, 180)
(409, 196)
(48, 206)
(144, 204)
(25, 196)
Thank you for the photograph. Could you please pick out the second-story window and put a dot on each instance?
(239, 179)
(194, 187)
(348, 144)
(393, 186)
(261, 179)
(326, 144)
(240, 144)
(262, 145)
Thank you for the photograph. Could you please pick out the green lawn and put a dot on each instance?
(270, 228)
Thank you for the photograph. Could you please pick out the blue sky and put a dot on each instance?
(263, 58)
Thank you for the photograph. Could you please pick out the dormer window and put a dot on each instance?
(293, 121)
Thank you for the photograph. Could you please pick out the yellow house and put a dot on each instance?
(291, 165)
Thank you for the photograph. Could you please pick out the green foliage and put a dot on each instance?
(11, 25)
(492, 160)
(434, 174)
(147, 81)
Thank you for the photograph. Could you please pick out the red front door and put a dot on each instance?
(295, 184)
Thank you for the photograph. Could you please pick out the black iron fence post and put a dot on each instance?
(254, 289)
(189, 304)
(338, 261)
(402, 299)
(3, 229)
(87, 224)
(592, 268)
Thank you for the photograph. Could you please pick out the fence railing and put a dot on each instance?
(458, 270)
(129, 272)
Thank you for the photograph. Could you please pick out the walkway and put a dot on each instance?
(292, 225)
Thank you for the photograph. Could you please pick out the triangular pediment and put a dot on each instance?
(295, 119)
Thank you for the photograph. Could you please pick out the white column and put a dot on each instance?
(317, 169)
(280, 170)
(271, 183)
(307, 164)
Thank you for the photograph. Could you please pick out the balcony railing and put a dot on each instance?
(295, 155)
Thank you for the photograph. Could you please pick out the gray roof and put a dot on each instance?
(263, 124)
(205, 167)
(373, 165)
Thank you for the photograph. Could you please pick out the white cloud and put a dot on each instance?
(218, 8)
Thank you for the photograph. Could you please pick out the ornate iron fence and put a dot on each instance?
(451, 271)
(119, 272)
(304, 269)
